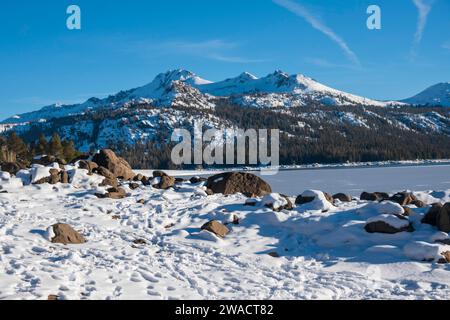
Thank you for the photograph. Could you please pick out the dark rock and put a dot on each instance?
(238, 182)
(133, 186)
(217, 228)
(443, 218)
(55, 177)
(383, 227)
(431, 216)
(138, 177)
(113, 193)
(65, 234)
(11, 167)
(159, 174)
(302, 200)
(165, 183)
(195, 180)
(110, 179)
(48, 160)
(116, 165)
(64, 176)
(140, 241)
(403, 198)
(343, 197)
(375, 196)
(87, 165)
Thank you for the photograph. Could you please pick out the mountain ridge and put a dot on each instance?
(181, 87)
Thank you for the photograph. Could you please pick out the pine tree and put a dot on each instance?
(15, 144)
(69, 151)
(55, 148)
(42, 146)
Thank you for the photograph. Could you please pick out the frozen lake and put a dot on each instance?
(356, 180)
(352, 180)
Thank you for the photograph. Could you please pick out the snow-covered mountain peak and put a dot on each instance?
(438, 94)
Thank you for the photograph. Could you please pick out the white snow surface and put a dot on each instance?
(324, 254)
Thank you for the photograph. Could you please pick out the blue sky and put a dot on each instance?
(124, 44)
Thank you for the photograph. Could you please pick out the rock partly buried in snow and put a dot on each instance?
(217, 228)
(133, 186)
(110, 178)
(277, 202)
(195, 180)
(87, 165)
(315, 200)
(238, 182)
(388, 223)
(162, 180)
(431, 216)
(403, 198)
(445, 257)
(385, 207)
(165, 183)
(422, 251)
(113, 193)
(117, 165)
(375, 196)
(65, 234)
(443, 218)
(343, 197)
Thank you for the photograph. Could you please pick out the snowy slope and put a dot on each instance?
(182, 87)
(280, 82)
(298, 254)
(438, 94)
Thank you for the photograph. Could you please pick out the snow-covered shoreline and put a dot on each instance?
(150, 245)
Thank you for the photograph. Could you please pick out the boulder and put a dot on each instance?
(343, 197)
(48, 160)
(64, 176)
(443, 218)
(195, 180)
(446, 257)
(277, 202)
(388, 223)
(87, 165)
(113, 193)
(138, 177)
(165, 182)
(65, 234)
(179, 180)
(116, 165)
(110, 179)
(408, 211)
(403, 198)
(238, 182)
(217, 228)
(431, 216)
(159, 174)
(375, 196)
(133, 186)
(302, 200)
(11, 167)
(55, 177)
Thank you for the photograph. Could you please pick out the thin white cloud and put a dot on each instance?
(319, 25)
(216, 49)
(424, 8)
